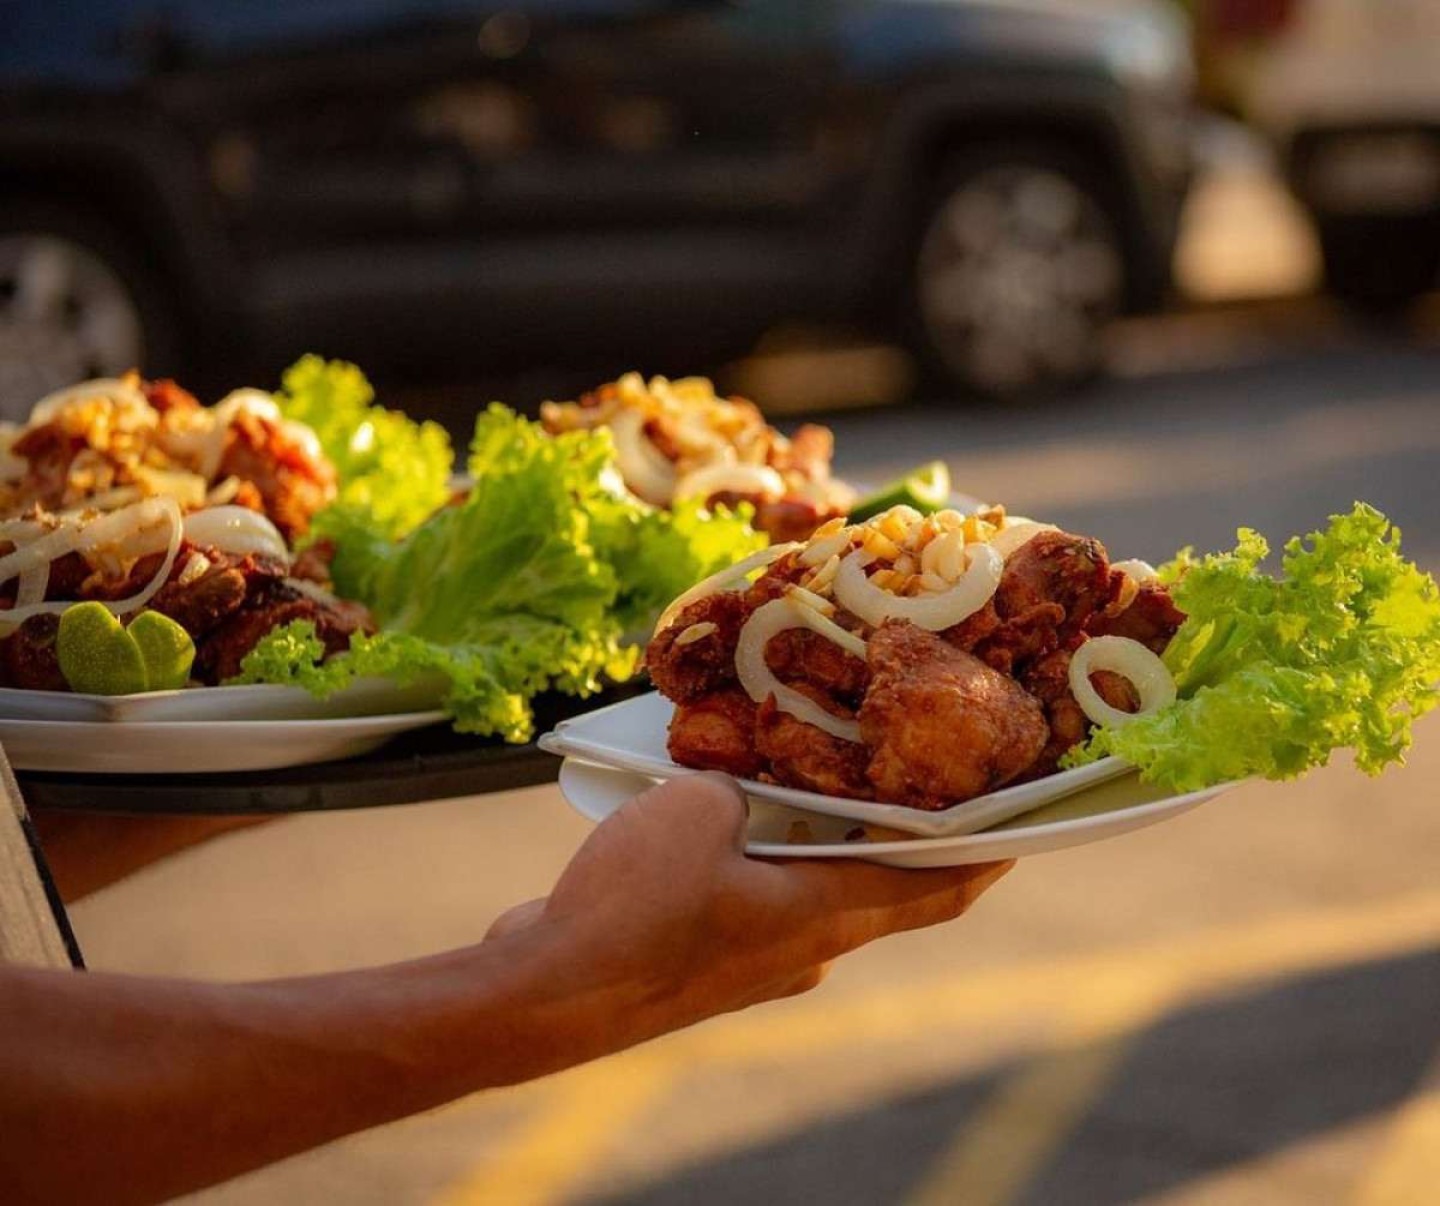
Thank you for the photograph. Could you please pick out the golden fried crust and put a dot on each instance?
(1152, 619)
(686, 672)
(800, 657)
(1057, 568)
(800, 755)
(716, 732)
(943, 726)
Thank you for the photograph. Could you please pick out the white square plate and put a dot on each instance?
(364, 697)
(631, 736)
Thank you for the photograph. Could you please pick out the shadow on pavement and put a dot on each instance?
(1208, 1087)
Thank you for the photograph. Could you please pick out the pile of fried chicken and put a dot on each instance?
(100, 448)
(679, 439)
(925, 718)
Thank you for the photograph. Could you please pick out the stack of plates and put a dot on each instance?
(612, 753)
(207, 729)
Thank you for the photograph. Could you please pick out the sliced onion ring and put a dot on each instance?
(759, 681)
(34, 582)
(760, 480)
(646, 470)
(1141, 571)
(236, 530)
(719, 580)
(1129, 659)
(117, 526)
(1016, 534)
(972, 590)
(108, 387)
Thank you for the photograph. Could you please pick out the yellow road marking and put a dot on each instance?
(1026, 1120)
(998, 1152)
(585, 1111)
(1407, 1171)
(1104, 997)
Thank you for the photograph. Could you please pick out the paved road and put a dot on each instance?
(1242, 1005)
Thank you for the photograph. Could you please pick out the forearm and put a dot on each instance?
(121, 1089)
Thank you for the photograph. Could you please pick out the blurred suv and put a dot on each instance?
(435, 187)
(1349, 91)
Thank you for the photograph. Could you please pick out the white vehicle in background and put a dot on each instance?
(1349, 92)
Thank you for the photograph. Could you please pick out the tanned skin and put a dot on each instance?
(122, 1089)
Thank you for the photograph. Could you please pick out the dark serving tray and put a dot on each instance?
(429, 764)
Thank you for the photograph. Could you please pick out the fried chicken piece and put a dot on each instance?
(943, 726)
(1152, 619)
(28, 659)
(218, 656)
(1005, 644)
(49, 450)
(716, 732)
(164, 395)
(203, 602)
(777, 576)
(1052, 586)
(1057, 568)
(801, 755)
(802, 658)
(683, 672)
(792, 518)
(292, 484)
(1048, 680)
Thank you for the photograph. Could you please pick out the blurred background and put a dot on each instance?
(1148, 270)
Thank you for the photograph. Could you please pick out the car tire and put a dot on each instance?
(1016, 271)
(77, 300)
(1379, 264)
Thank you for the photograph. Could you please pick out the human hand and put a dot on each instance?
(661, 910)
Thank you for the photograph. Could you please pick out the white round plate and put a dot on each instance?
(1104, 811)
(196, 747)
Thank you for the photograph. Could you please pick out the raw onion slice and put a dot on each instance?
(236, 530)
(647, 470)
(719, 580)
(130, 527)
(1016, 534)
(759, 680)
(1129, 659)
(33, 584)
(1141, 571)
(972, 590)
(106, 387)
(760, 480)
(211, 445)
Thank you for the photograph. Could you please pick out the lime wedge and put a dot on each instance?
(926, 489)
(166, 649)
(97, 656)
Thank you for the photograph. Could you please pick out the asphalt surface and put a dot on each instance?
(1239, 1005)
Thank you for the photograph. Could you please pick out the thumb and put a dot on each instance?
(522, 916)
(709, 806)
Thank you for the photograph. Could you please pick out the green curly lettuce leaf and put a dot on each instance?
(392, 470)
(526, 584)
(1342, 650)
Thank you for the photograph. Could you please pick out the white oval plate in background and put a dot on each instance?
(196, 747)
(631, 736)
(1104, 811)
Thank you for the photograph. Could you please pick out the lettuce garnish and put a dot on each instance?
(526, 584)
(1342, 649)
(393, 471)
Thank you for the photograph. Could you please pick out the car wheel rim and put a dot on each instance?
(1017, 271)
(64, 316)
